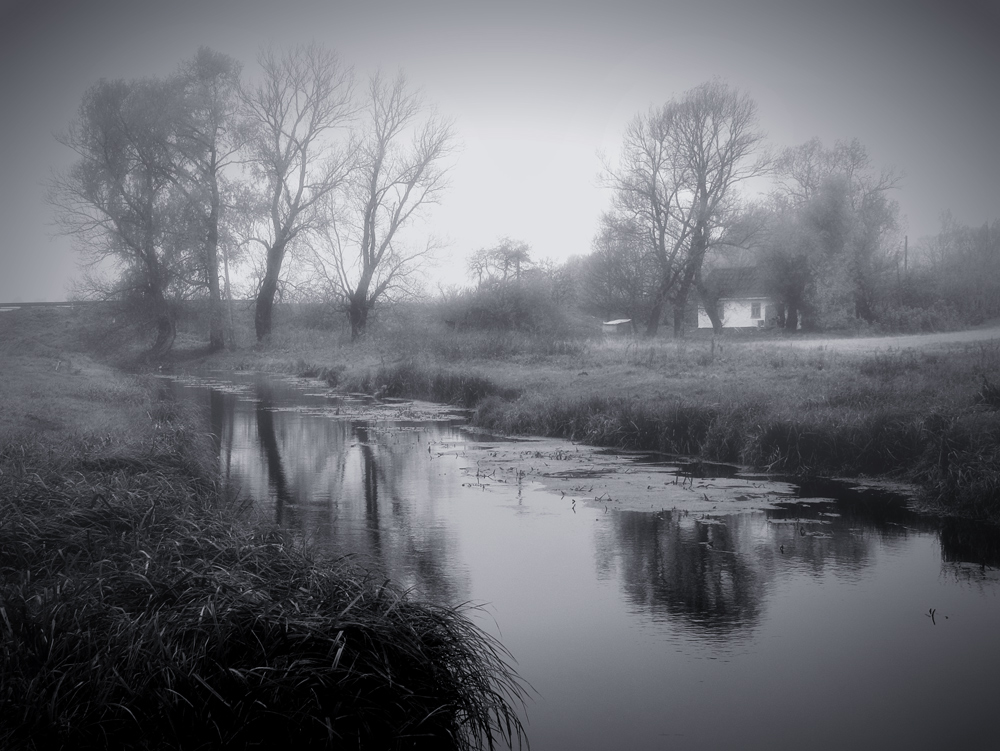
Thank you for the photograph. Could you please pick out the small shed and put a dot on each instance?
(618, 326)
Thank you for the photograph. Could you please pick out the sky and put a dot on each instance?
(537, 91)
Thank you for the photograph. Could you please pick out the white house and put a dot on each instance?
(743, 299)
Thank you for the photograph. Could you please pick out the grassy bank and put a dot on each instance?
(139, 608)
(928, 416)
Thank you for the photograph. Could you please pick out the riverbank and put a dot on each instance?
(140, 607)
(925, 415)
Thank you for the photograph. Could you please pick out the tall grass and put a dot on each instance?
(139, 610)
(914, 417)
(414, 380)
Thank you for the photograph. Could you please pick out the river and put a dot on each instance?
(684, 607)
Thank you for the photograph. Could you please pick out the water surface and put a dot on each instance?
(807, 624)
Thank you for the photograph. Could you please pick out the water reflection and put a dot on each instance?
(673, 565)
(822, 600)
(271, 454)
(307, 470)
(369, 488)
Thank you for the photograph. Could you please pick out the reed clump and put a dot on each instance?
(140, 609)
(413, 380)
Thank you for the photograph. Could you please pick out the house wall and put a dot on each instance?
(738, 313)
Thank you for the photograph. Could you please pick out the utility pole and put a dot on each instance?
(906, 248)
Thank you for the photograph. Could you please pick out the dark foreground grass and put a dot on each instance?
(138, 610)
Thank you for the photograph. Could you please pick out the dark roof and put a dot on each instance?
(747, 281)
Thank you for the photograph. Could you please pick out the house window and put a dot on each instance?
(755, 310)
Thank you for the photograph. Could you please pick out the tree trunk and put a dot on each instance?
(710, 302)
(268, 287)
(166, 332)
(681, 296)
(656, 309)
(216, 337)
(357, 314)
(359, 305)
(655, 314)
(792, 318)
(679, 306)
(264, 306)
(229, 298)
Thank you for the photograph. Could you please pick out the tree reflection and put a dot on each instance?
(355, 487)
(221, 410)
(967, 541)
(674, 565)
(272, 455)
(369, 474)
(713, 573)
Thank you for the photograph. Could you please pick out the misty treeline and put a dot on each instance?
(304, 180)
(179, 178)
(824, 241)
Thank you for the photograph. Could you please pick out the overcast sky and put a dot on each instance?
(536, 90)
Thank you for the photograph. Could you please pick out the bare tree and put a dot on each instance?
(118, 202)
(209, 135)
(501, 263)
(398, 169)
(719, 145)
(305, 95)
(679, 169)
(647, 185)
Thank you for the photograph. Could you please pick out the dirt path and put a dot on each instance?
(987, 333)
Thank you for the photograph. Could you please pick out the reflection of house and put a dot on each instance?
(741, 297)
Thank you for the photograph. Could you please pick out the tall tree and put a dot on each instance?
(838, 208)
(679, 170)
(647, 184)
(719, 145)
(293, 113)
(209, 136)
(399, 168)
(118, 200)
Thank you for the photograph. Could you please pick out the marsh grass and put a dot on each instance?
(749, 400)
(139, 608)
(414, 380)
(812, 412)
(752, 402)
(989, 393)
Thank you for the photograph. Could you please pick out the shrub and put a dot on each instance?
(524, 305)
(914, 320)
